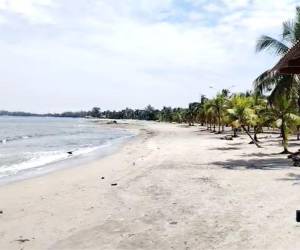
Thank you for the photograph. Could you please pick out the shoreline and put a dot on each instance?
(171, 187)
(77, 160)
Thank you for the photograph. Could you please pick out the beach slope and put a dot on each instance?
(172, 187)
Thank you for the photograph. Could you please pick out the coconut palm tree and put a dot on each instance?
(264, 115)
(209, 115)
(241, 114)
(218, 106)
(278, 84)
(284, 110)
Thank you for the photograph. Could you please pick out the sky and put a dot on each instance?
(59, 55)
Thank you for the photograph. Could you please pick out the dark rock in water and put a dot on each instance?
(114, 184)
(70, 152)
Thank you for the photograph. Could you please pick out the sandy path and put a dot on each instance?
(178, 188)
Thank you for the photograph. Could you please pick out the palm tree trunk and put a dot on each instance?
(247, 132)
(235, 132)
(284, 139)
(255, 133)
(255, 136)
(298, 132)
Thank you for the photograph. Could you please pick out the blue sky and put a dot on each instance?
(61, 55)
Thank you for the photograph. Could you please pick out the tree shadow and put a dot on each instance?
(294, 144)
(295, 140)
(262, 164)
(292, 177)
(237, 143)
(261, 154)
(185, 126)
(225, 148)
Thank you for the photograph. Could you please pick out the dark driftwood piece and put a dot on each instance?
(227, 137)
(295, 157)
(298, 215)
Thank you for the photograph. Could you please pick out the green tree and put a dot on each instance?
(286, 118)
(241, 114)
(218, 106)
(96, 112)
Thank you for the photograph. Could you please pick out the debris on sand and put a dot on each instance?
(22, 240)
(102, 178)
(227, 137)
(114, 184)
(112, 122)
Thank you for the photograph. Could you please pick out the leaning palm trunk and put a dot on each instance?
(247, 132)
(255, 137)
(256, 131)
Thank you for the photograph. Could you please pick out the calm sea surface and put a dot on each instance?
(32, 144)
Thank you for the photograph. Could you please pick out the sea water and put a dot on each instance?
(33, 144)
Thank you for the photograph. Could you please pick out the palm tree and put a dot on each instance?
(241, 114)
(217, 105)
(210, 115)
(284, 110)
(264, 116)
(278, 84)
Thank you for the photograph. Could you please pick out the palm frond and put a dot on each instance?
(288, 32)
(297, 24)
(269, 43)
(264, 82)
(284, 85)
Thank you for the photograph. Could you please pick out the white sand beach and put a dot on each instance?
(177, 188)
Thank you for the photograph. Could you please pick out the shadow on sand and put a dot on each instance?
(262, 164)
(225, 148)
(292, 177)
(262, 154)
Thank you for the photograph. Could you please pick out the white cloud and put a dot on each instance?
(235, 4)
(33, 10)
(123, 52)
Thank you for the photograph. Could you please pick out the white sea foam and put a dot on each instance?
(32, 145)
(41, 159)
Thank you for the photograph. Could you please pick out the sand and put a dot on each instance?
(177, 187)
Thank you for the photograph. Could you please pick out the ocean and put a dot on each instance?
(34, 145)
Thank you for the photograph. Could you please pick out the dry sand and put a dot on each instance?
(177, 188)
